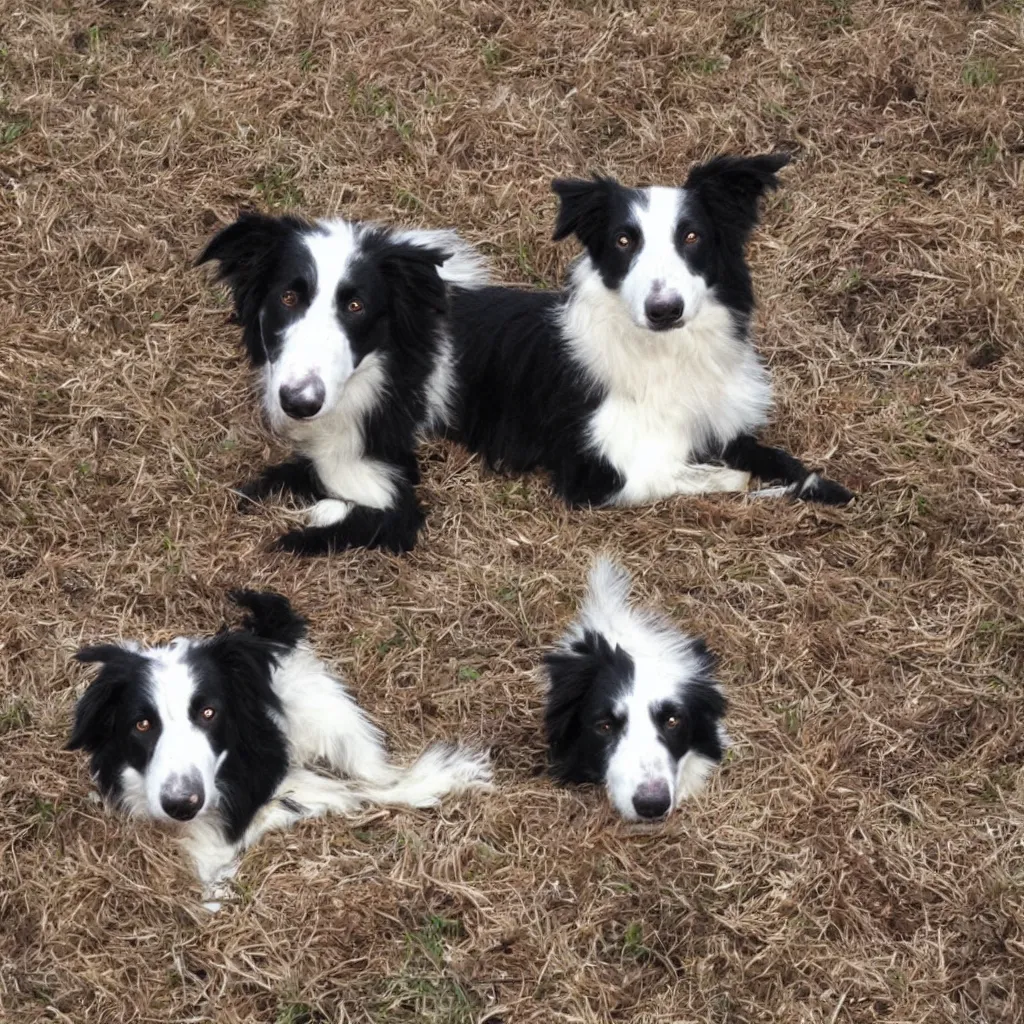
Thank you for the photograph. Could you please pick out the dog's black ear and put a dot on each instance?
(247, 252)
(572, 673)
(95, 712)
(258, 758)
(583, 210)
(270, 616)
(246, 661)
(418, 292)
(730, 187)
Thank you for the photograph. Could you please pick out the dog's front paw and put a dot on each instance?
(247, 497)
(300, 542)
(820, 489)
(328, 511)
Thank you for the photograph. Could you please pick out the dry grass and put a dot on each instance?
(861, 857)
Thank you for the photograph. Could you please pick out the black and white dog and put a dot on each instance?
(215, 734)
(347, 321)
(636, 382)
(639, 380)
(632, 703)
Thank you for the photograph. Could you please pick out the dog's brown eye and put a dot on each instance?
(208, 714)
(354, 306)
(672, 722)
(692, 238)
(604, 726)
(143, 725)
(623, 241)
(289, 299)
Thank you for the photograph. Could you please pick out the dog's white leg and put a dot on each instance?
(692, 775)
(705, 479)
(304, 794)
(215, 860)
(687, 478)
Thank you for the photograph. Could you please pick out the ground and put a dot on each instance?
(861, 855)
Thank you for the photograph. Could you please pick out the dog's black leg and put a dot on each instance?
(746, 453)
(296, 476)
(587, 481)
(394, 529)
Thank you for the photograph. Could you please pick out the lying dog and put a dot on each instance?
(213, 735)
(637, 382)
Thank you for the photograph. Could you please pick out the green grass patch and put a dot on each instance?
(425, 990)
(494, 54)
(703, 65)
(13, 126)
(979, 73)
(299, 1013)
(277, 187)
(15, 716)
(633, 945)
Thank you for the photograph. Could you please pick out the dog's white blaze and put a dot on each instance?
(640, 756)
(657, 269)
(315, 345)
(182, 748)
(665, 390)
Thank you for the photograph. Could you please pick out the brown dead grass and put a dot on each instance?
(861, 857)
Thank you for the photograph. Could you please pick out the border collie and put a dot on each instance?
(632, 703)
(214, 734)
(347, 321)
(639, 380)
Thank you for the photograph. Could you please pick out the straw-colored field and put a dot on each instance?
(861, 856)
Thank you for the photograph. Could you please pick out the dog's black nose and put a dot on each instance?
(183, 803)
(302, 400)
(652, 799)
(663, 311)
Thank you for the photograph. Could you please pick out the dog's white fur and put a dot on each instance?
(666, 390)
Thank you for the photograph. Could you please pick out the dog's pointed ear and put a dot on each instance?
(583, 209)
(246, 253)
(95, 712)
(417, 290)
(270, 616)
(243, 243)
(572, 672)
(731, 187)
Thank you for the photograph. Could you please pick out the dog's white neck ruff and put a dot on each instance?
(667, 393)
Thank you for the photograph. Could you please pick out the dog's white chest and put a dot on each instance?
(668, 397)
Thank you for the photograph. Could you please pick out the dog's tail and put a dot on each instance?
(439, 771)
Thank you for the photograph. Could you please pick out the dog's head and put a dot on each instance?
(323, 304)
(663, 250)
(640, 716)
(178, 731)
